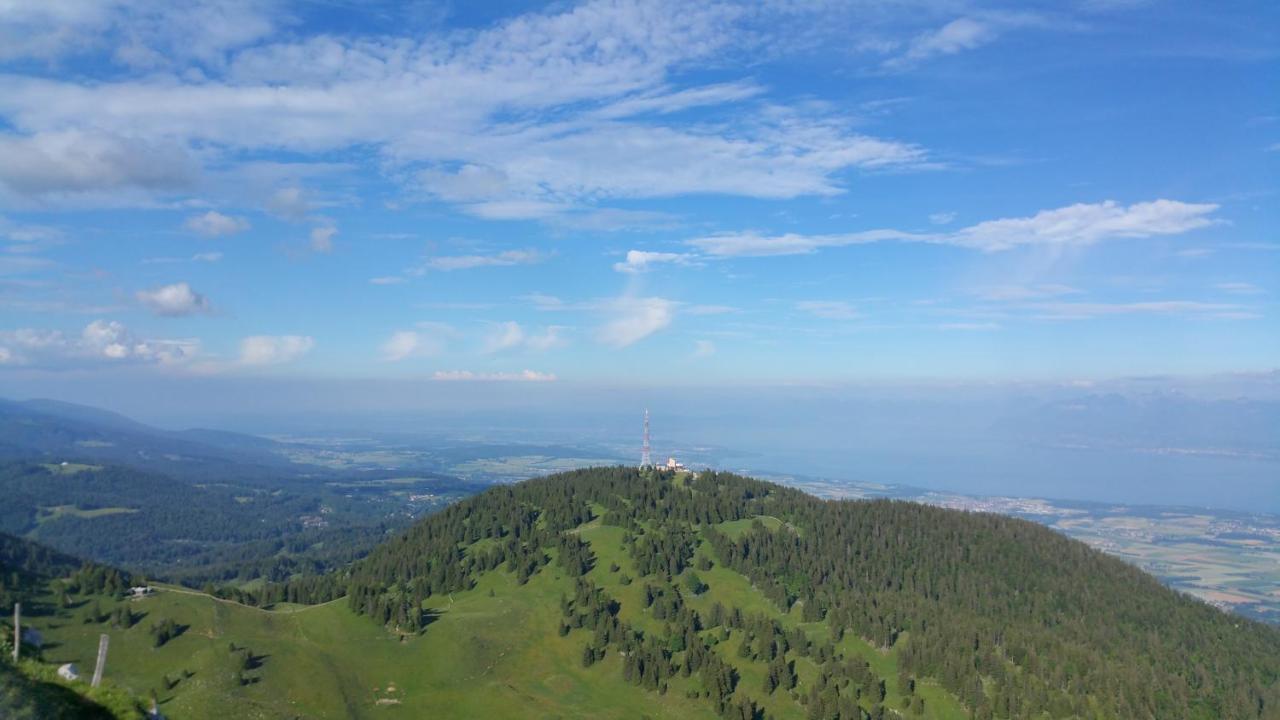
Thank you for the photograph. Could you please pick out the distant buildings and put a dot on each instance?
(139, 591)
(673, 464)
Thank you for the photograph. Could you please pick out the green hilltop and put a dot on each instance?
(625, 593)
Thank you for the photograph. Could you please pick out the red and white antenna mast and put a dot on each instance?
(645, 461)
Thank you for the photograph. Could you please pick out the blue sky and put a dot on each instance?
(618, 192)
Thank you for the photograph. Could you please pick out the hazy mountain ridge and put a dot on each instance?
(57, 431)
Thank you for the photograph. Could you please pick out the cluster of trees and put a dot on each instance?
(170, 529)
(1014, 619)
(28, 568)
(652, 660)
(164, 630)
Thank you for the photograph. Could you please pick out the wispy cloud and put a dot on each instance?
(425, 340)
(828, 309)
(633, 319)
(970, 326)
(322, 238)
(504, 336)
(214, 224)
(466, 262)
(1086, 310)
(469, 376)
(1073, 226)
(1239, 288)
(640, 260)
(959, 35)
(201, 257)
(274, 349)
(536, 116)
(1002, 293)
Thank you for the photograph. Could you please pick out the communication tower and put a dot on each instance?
(645, 461)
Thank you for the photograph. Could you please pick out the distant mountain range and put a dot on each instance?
(53, 431)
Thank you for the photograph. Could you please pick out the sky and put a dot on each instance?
(658, 193)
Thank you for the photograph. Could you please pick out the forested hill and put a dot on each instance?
(1016, 621)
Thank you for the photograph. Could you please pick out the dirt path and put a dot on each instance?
(290, 611)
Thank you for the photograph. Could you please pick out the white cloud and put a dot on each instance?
(400, 345)
(174, 300)
(1013, 293)
(542, 301)
(322, 238)
(405, 344)
(202, 257)
(140, 33)
(703, 348)
(942, 218)
(751, 244)
(504, 336)
(214, 224)
(386, 280)
(290, 203)
(959, 35)
(60, 163)
(429, 338)
(634, 319)
(1086, 310)
(551, 337)
(1240, 288)
(1194, 252)
(100, 341)
(1086, 224)
(510, 335)
(710, 310)
(530, 117)
(274, 349)
(970, 326)
(29, 236)
(640, 260)
(1073, 226)
(467, 262)
(828, 309)
(467, 375)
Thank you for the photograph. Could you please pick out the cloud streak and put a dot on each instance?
(1078, 225)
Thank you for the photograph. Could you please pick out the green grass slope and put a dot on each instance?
(491, 651)
(610, 593)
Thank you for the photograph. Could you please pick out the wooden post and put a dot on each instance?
(102, 660)
(17, 631)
